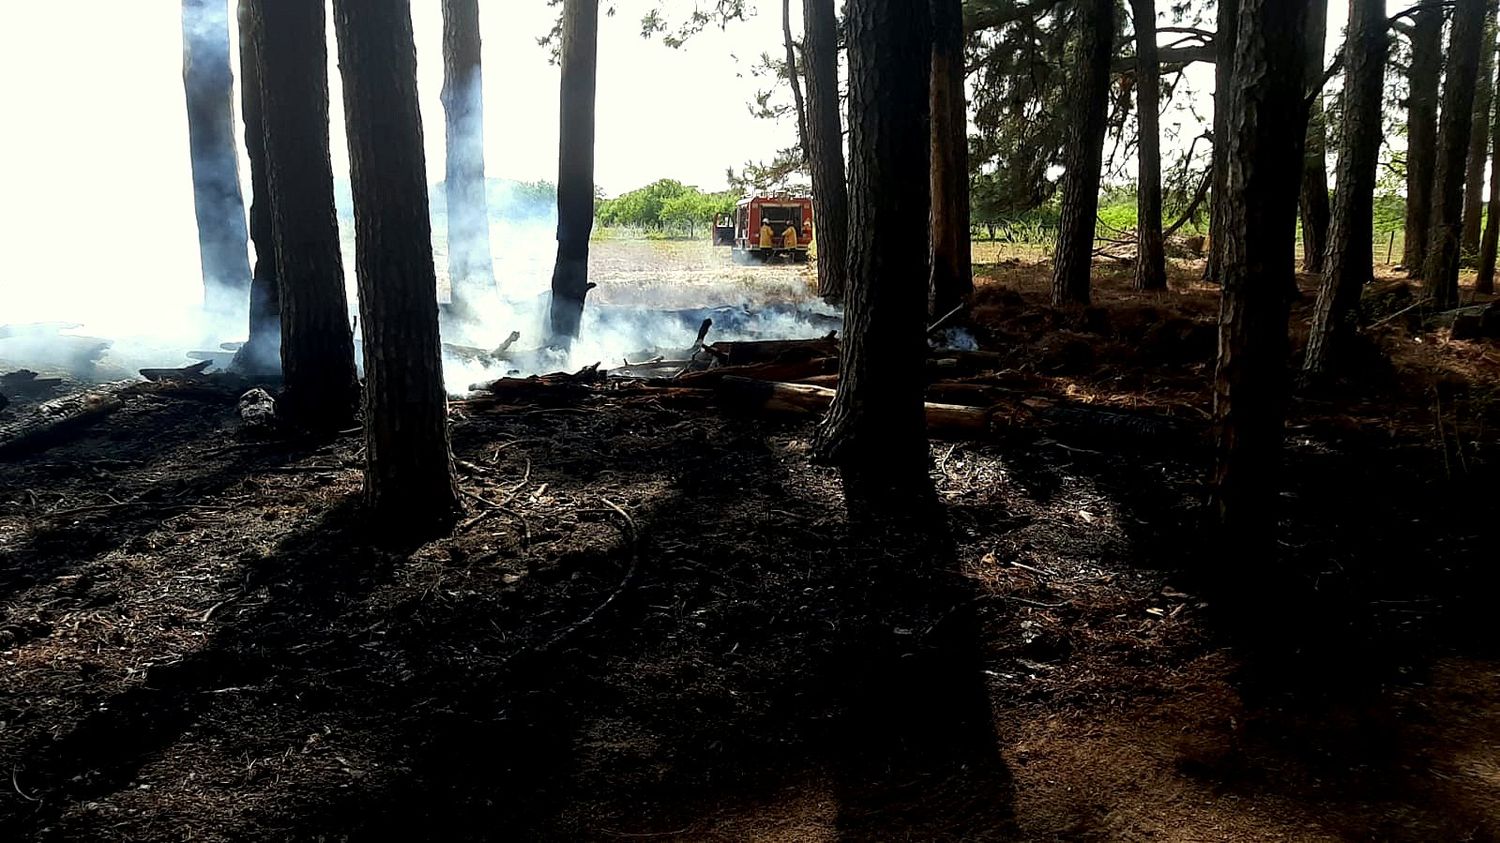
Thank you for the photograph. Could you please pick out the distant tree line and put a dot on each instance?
(665, 206)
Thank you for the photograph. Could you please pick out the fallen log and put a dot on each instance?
(483, 356)
(792, 371)
(968, 394)
(744, 352)
(53, 420)
(220, 359)
(829, 380)
(181, 373)
(952, 362)
(650, 369)
(558, 388)
(943, 420)
(26, 382)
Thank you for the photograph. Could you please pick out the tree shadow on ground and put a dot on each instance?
(314, 575)
(917, 754)
(1383, 563)
(714, 676)
(102, 510)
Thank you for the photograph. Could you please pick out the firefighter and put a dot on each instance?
(789, 238)
(766, 237)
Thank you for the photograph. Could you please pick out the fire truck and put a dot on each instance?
(767, 227)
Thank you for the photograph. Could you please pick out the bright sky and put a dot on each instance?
(95, 189)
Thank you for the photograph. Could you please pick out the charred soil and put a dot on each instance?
(643, 628)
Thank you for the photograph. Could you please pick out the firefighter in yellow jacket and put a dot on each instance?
(766, 237)
(789, 238)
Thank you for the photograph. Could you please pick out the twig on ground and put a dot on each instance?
(495, 454)
(942, 466)
(102, 507)
(1023, 566)
(1388, 317)
(492, 507)
(1028, 602)
(632, 537)
(15, 783)
(943, 320)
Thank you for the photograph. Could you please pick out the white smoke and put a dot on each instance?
(97, 228)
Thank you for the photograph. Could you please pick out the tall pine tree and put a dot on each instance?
(409, 482)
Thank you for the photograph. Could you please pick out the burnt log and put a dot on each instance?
(181, 373)
(741, 353)
(556, 389)
(26, 382)
(55, 420)
(968, 394)
(789, 371)
(821, 380)
(800, 399)
(950, 362)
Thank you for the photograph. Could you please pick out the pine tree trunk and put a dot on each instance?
(1151, 256)
(1484, 279)
(320, 389)
(1479, 142)
(825, 138)
(1084, 156)
(408, 469)
(1314, 198)
(575, 169)
(223, 241)
(794, 78)
(471, 269)
(1225, 33)
(875, 429)
(1440, 271)
(1268, 128)
(1422, 80)
(1350, 264)
(261, 353)
(952, 279)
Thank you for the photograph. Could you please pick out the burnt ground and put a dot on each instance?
(202, 639)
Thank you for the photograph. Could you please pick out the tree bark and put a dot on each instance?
(908, 714)
(825, 138)
(1479, 141)
(471, 268)
(1226, 33)
(793, 78)
(1350, 264)
(408, 468)
(208, 80)
(1314, 199)
(1440, 271)
(1074, 258)
(875, 430)
(261, 353)
(1151, 255)
(1422, 79)
(1484, 279)
(1267, 119)
(575, 169)
(320, 389)
(952, 280)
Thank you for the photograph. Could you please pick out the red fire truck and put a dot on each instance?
(767, 227)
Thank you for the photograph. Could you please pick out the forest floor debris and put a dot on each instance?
(199, 638)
